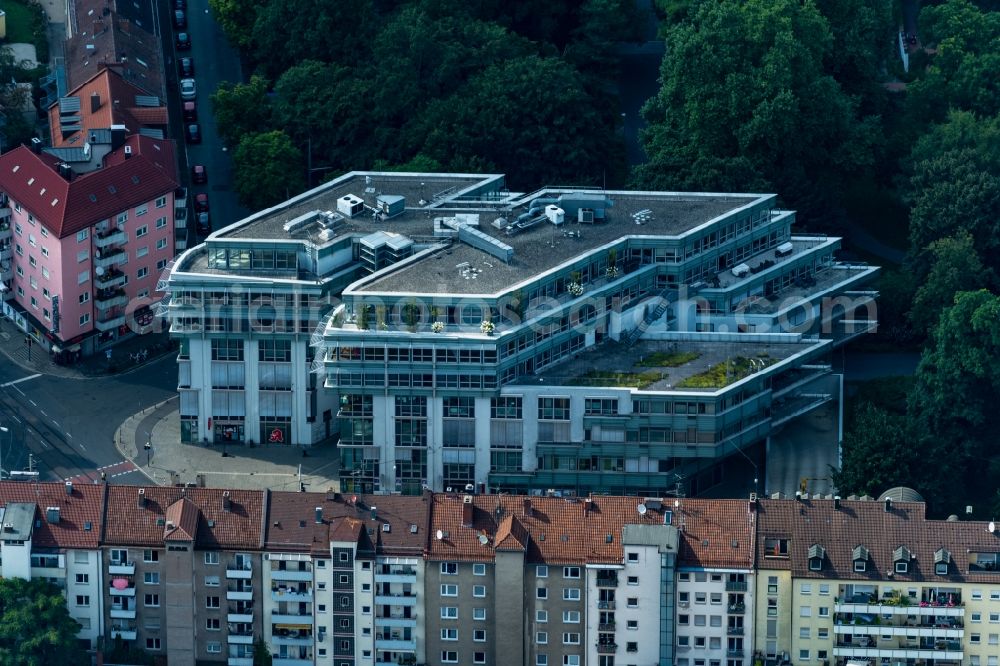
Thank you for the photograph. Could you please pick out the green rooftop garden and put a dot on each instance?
(668, 359)
(617, 379)
(727, 372)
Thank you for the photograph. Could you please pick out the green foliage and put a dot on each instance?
(27, 23)
(364, 315)
(955, 267)
(876, 455)
(411, 315)
(261, 653)
(723, 374)
(668, 359)
(269, 169)
(35, 627)
(746, 103)
(639, 380)
(237, 18)
(241, 109)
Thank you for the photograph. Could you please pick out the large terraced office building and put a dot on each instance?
(453, 332)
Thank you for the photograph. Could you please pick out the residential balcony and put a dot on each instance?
(396, 645)
(875, 608)
(244, 593)
(128, 591)
(953, 652)
(5, 230)
(607, 648)
(396, 621)
(291, 661)
(111, 278)
(606, 605)
(235, 570)
(737, 609)
(240, 638)
(736, 586)
(109, 258)
(889, 630)
(735, 654)
(109, 298)
(734, 631)
(292, 575)
(240, 661)
(606, 626)
(291, 595)
(124, 633)
(289, 639)
(396, 599)
(288, 618)
(122, 569)
(110, 237)
(237, 615)
(398, 577)
(6, 253)
(122, 613)
(607, 579)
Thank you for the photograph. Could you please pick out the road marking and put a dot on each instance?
(15, 418)
(55, 423)
(42, 411)
(17, 389)
(68, 435)
(18, 381)
(33, 403)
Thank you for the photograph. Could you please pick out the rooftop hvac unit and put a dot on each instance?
(555, 214)
(350, 205)
(741, 270)
(784, 250)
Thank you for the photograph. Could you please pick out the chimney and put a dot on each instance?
(141, 498)
(117, 136)
(468, 511)
(888, 504)
(36, 145)
(227, 504)
(374, 513)
(527, 507)
(587, 503)
(95, 101)
(836, 502)
(69, 487)
(65, 170)
(52, 515)
(319, 515)
(798, 495)
(128, 152)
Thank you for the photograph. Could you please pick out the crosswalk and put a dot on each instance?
(106, 472)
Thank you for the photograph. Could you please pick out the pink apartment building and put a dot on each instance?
(84, 250)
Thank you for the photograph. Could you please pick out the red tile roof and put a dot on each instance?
(715, 533)
(100, 41)
(66, 207)
(84, 505)
(553, 529)
(233, 525)
(117, 106)
(181, 521)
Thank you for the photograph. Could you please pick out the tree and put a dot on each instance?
(955, 267)
(35, 627)
(261, 654)
(876, 453)
(746, 103)
(237, 18)
(241, 109)
(952, 407)
(864, 37)
(269, 169)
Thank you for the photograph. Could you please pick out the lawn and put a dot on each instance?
(668, 359)
(725, 373)
(26, 24)
(617, 379)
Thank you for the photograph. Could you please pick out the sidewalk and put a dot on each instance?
(13, 347)
(170, 462)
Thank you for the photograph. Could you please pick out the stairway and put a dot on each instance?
(666, 297)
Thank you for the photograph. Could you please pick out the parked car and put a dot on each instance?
(182, 41)
(198, 174)
(180, 19)
(193, 132)
(188, 89)
(204, 224)
(201, 202)
(185, 67)
(190, 111)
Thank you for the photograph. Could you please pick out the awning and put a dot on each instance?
(293, 627)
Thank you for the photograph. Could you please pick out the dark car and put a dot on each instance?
(198, 174)
(190, 111)
(201, 202)
(193, 132)
(180, 19)
(204, 224)
(185, 67)
(182, 41)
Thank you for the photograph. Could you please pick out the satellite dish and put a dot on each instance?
(99, 271)
(992, 527)
(440, 534)
(483, 539)
(641, 509)
(354, 499)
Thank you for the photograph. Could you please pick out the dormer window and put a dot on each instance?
(775, 547)
(817, 554)
(860, 557)
(901, 559)
(942, 558)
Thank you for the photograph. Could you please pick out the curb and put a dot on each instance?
(130, 424)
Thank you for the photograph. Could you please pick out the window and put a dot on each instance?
(161, 264)
(571, 572)
(141, 252)
(806, 588)
(994, 618)
(213, 624)
(141, 231)
(775, 547)
(450, 634)
(82, 579)
(151, 600)
(804, 655)
(449, 590)
(211, 602)
(804, 632)
(941, 568)
(119, 556)
(632, 602)
(84, 319)
(571, 594)
(84, 297)
(823, 633)
(994, 639)
(479, 590)
(542, 593)
(571, 617)
(716, 598)
(45, 252)
(571, 638)
(478, 613)
(542, 637)
(633, 580)
(977, 595)
(161, 222)
(632, 625)
(122, 218)
(449, 657)
(142, 210)
(633, 557)
(699, 620)
(82, 235)
(976, 617)
(542, 660)
(141, 273)
(994, 595)
(211, 557)
(82, 600)
(699, 597)
(152, 643)
(161, 202)
(683, 619)
(805, 611)
(449, 568)
(479, 635)
(859, 566)
(449, 613)
(571, 660)
(150, 555)
(151, 577)
(541, 571)
(82, 255)
(975, 639)
(478, 569)
(824, 589)
(541, 616)
(824, 611)
(902, 567)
